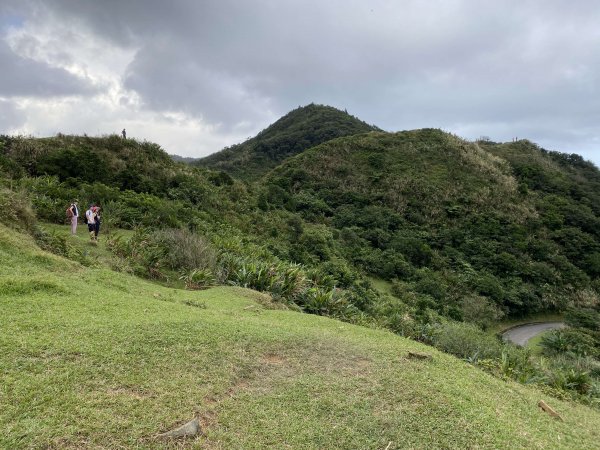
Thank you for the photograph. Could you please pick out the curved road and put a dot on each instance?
(521, 334)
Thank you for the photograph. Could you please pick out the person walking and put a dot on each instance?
(124, 133)
(90, 219)
(73, 213)
(97, 222)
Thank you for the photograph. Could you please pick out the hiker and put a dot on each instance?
(97, 222)
(90, 219)
(73, 214)
(124, 134)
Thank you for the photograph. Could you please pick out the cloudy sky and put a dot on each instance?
(198, 75)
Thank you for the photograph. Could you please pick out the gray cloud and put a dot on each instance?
(25, 77)
(503, 69)
(11, 117)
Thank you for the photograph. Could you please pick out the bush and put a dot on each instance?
(569, 379)
(569, 341)
(480, 311)
(197, 278)
(16, 211)
(583, 317)
(465, 341)
(284, 280)
(185, 250)
(59, 245)
(151, 253)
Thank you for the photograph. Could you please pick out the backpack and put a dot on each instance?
(69, 212)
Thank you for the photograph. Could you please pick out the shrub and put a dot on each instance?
(465, 341)
(431, 283)
(583, 317)
(152, 252)
(341, 271)
(569, 341)
(49, 197)
(185, 250)
(59, 245)
(197, 278)
(284, 280)
(317, 301)
(480, 311)
(570, 379)
(16, 211)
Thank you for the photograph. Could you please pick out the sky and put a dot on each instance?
(196, 76)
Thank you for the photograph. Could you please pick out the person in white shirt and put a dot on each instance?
(90, 216)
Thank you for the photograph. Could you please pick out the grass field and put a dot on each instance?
(91, 358)
(97, 250)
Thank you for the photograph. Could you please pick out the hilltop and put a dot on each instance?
(298, 130)
(127, 163)
(98, 358)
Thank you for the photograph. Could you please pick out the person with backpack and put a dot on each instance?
(90, 219)
(73, 215)
(97, 222)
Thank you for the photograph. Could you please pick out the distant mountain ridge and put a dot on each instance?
(295, 132)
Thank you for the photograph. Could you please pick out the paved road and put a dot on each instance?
(521, 334)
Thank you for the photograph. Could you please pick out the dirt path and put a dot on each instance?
(521, 334)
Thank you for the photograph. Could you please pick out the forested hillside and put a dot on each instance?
(450, 221)
(298, 130)
(420, 232)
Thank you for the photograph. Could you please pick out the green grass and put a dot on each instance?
(81, 240)
(91, 358)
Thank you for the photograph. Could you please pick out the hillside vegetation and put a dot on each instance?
(448, 220)
(298, 130)
(418, 232)
(94, 358)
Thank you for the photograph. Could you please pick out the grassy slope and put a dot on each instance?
(93, 358)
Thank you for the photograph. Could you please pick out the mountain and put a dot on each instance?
(184, 159)
(452, 221)
(298, 130)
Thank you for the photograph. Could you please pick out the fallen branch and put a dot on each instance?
(542, 404)
(416, 355)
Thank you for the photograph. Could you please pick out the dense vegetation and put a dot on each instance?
(461, 234)
(300, 129)
(456, 228)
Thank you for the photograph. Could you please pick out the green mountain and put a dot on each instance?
(298, 130)
(453, 222)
